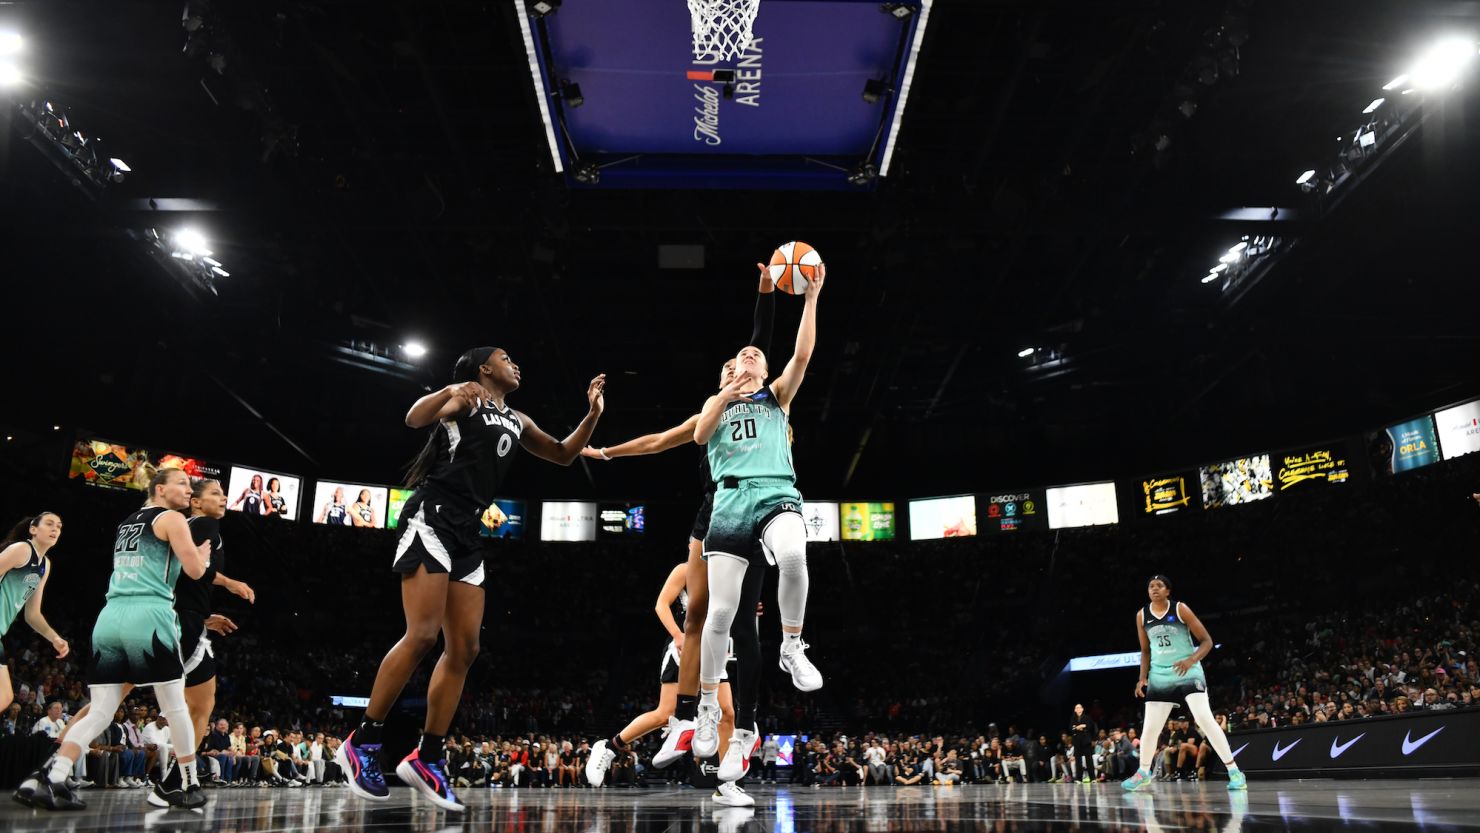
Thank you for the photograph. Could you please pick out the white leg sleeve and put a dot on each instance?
(726, 575)
(171, 697)
(1156, 720)
(1197, 703)
(786, 539)
(105, 701)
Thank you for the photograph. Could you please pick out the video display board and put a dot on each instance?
(942, 517)
(261, 492)
(1013, 511)
(1311, 466)
(1237, 481)
(504, 519)
(394, 504)
(572, 520)
(117, 466)
(1404, 446)
(867, 521)
(1161, 494)
(349, 504)
(821, 520)
(1459, 429)
(1087, 504)
(621, 520)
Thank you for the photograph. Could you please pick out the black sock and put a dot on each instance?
(432, 747)
(369, 731)
(617, 743)
(688, 707)
(745, 717)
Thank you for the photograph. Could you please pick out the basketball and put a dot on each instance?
(793, 265)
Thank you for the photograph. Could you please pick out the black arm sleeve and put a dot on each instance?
(765, 316)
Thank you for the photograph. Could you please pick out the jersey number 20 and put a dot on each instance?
(742, 430)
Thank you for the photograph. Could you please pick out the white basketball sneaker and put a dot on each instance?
(743, 744)
(804, 675)
(730, 795)
(600, 761)
(706, 731)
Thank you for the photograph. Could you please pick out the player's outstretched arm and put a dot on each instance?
(564, 452)
(785, 386)
(678, 435)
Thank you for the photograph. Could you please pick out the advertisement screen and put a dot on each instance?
(262, 492)
(622, 520)
(1013, 511)
(397, 500)
(1459, 429)
(867, 521)
(1163, 494)
(821, 520)
(504, 519)
(788, 745)
(942, 517)
(115, 466)
(1088, 504)
(1405, 446)
(349, 504)
(1317, 465)
(1242, 480)
(568, 521)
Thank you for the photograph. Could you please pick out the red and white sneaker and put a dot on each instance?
(678, 739)
(743, 745)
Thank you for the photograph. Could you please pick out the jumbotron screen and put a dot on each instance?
(1459, 429)
(821, 519)
(394, 504)
(867, 521)
(1237, 481)
(117, 466)
(942, 517)
(1405, 446)
(1013, 511)
(349, 504)
(567, 520)
(1316, 465)
(262, 492)
(504, 519)
(621, 520)
(1162, 494)
(1087, 504)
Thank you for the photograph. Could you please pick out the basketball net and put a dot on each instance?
(722, 28)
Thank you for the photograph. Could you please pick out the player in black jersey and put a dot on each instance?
(334, 512)
(193, 607)
(250, 500)
(440, 555)
(362, 511)
(273, 502)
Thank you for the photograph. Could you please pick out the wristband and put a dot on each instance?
(602, 452)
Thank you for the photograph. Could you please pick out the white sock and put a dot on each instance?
(187, 774)
(790, 639)
(709, 697)
(59, 770)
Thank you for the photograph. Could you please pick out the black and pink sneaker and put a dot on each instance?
(361, 762)
(430, 778)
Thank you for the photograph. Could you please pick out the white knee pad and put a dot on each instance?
(105, 701)
(785, 540)
(726, 578)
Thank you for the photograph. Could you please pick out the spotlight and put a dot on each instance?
(571, 93)
(863, 175)
(874, 89)
(1231, 257)
(1210, 277)
(1219, 268)
(901, 11)
(190, 243)
(1441, 65)
(414, 349)
(1396, 83)
(1239, 247)
(10, 75)
(543, 8)
(1372, 108)
(1306, 177)
(588, 174)
(1026, 352)
(117, 168)
(11, 43)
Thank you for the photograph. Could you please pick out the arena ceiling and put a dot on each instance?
(372, 173)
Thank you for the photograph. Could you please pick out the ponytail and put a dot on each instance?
(464, 370)
(22, 529)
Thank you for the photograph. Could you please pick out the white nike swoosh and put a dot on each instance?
(1338, 748)
(1280, 753)
(1410, 745)
(1238, 750)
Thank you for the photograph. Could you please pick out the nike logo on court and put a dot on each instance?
(1410, 745)
(1280, 753)
(1338, 748)
(1238, 750)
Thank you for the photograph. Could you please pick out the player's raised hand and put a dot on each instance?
(468, 393)
(767, 285)
(595, 394)
(814, 286)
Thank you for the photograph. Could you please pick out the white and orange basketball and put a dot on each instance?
(793, 266)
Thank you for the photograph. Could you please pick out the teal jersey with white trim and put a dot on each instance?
(144, 567)
(750, 440)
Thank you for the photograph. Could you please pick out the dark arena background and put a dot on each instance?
(1113, 291)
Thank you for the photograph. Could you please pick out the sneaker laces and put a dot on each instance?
(369, 755)
(797, 656)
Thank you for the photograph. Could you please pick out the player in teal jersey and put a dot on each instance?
(24, 569)
(136, 641)
(1173, 644)
(744, 429)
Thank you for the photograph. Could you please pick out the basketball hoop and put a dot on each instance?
(722, 28)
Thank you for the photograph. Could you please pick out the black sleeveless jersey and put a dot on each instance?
(253, 504)
(337, 515)
(193, 595)
(474, 453)
(706, 481)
